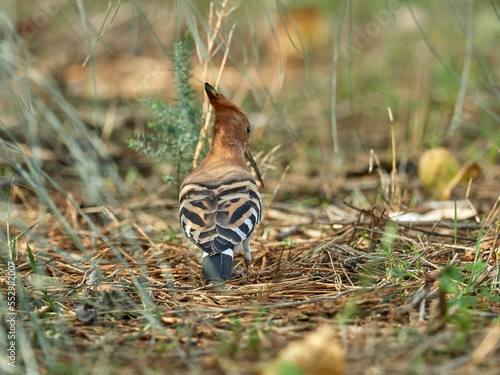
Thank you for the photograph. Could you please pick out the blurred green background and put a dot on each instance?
(316, 78)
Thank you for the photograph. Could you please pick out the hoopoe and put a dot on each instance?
(220, 203)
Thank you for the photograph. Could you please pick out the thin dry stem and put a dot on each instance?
(276, 189)
(395, 187)
(211, 38)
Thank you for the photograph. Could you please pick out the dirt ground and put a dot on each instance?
(326, 267)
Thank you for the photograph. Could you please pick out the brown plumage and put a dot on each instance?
(219, 203)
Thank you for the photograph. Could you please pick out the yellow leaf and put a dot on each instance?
(318, 353)
(437, 171)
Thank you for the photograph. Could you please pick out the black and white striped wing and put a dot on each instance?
(218, 218)
(197, 210)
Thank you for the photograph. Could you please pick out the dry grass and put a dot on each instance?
(144, 306)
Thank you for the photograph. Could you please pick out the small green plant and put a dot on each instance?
(288, 242)
(245, 338)
(452, 282)
(174, 130)
(170, 235)
(399, 272)
(229, 344)
(469, 289)
(386, 247)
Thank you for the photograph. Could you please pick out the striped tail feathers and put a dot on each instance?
(217, 267)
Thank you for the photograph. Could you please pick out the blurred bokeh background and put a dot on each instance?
(315, 78)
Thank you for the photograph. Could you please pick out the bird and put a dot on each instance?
(219, 202)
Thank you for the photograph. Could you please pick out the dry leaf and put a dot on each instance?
(488, 344)
(439, 172)
(442, 210)
(318, 353)
(493, 244)
(465, 173)
(437, 167)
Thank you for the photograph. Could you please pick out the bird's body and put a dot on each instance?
(219, 203)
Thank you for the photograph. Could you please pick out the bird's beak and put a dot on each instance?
(211, 93)
(209, 89)
(215, 98)
(254, 165)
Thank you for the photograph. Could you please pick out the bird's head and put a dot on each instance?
(229, 119)
(231, 125)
